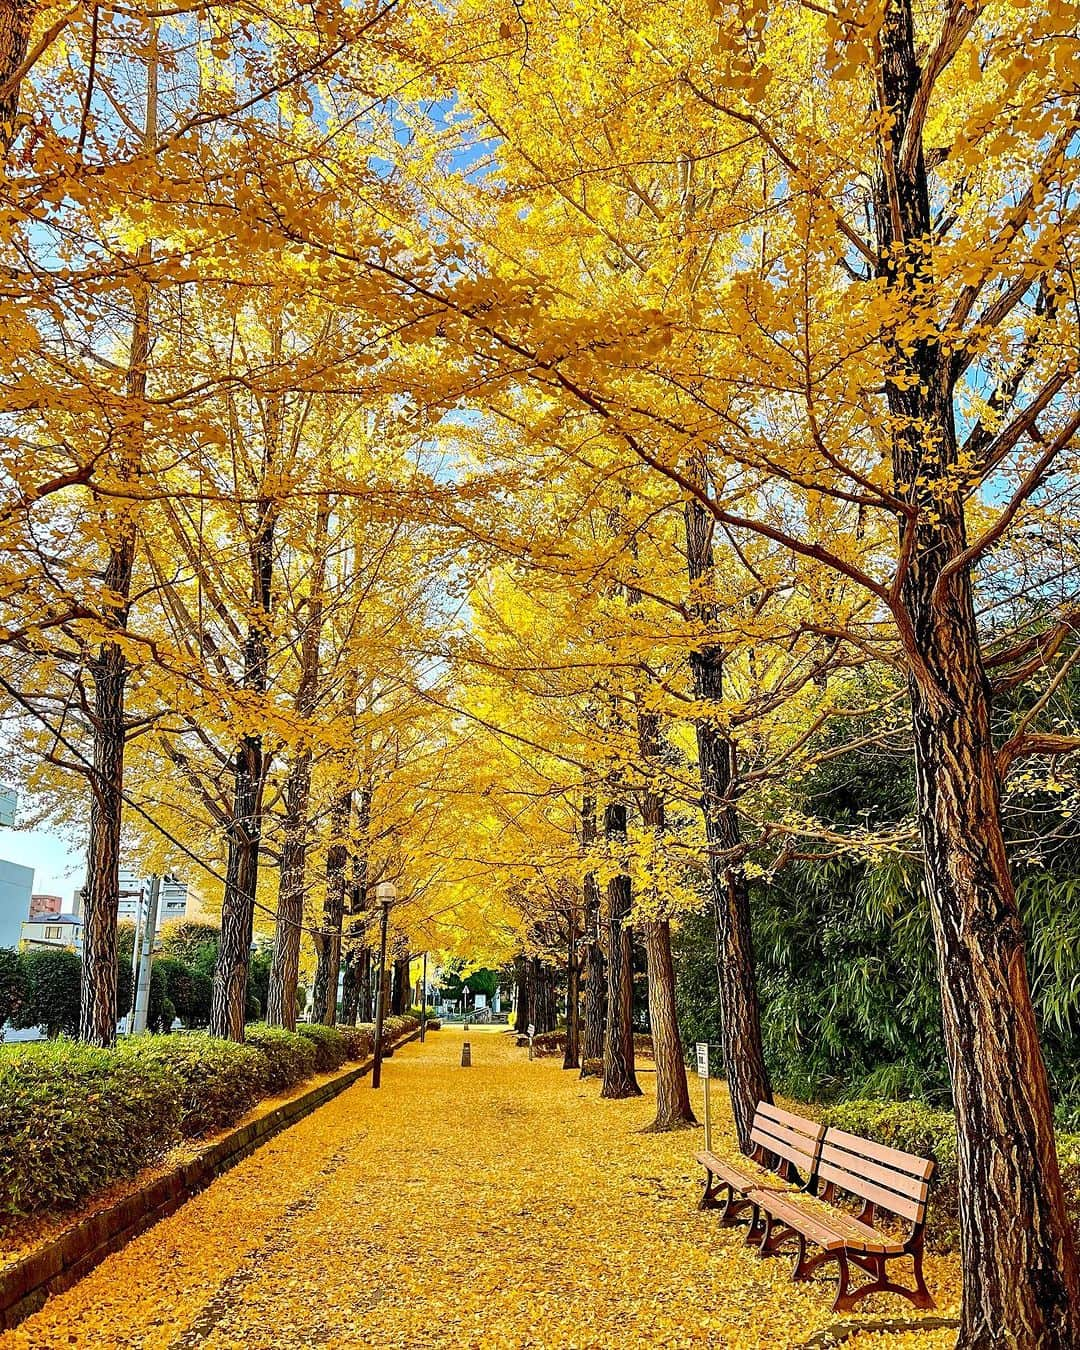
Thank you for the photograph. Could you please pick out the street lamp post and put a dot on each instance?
(423, 1002)
(386, 894)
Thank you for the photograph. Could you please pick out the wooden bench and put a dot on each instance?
(885, 1179)
(783, 1142)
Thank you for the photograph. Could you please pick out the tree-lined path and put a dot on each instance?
(504, 1205)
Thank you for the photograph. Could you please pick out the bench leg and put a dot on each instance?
(721, 1195)
(847, 1298)
(709, 1199)
(734, 1205)
(773, 1236)
(805, 1267)
(923, 1297)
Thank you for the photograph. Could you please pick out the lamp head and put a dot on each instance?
(386, 893)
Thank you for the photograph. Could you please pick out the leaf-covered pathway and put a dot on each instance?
(504, 1205)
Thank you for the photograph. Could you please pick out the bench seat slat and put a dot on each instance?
(720, 1167)
(831, 1229)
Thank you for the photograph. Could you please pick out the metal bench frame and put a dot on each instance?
(793, 1141)
(869, 1172)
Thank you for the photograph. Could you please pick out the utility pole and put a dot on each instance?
(142, 988)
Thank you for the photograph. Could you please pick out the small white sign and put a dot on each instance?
(531, 1030)
(702, 1059)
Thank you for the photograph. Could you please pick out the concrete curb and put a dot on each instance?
(60, 1263)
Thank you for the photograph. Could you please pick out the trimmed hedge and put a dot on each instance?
(331, 1045)
(554, 1043)
(290, 1057)
(931, 1133)
(218, 1080)
(360, 1041)
(74, 1119)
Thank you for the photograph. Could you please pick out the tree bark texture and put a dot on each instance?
(740, 1014)
(619, 1079)
(328, 939)
(284, 974)
(1020, 1273)
(673, 1110)
(228, 1004)
(244, 834)
(350, 988)
(399, 999)
(101, 898)
(572, 1049)
(16, 20)
(521, 994)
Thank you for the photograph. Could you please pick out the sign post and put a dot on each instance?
(703, 1073)
(531, 1034)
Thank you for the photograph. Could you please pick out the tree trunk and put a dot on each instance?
(619, 1078)
(229, 1000)
(521, 994)
(400, 987)
(16, 20)
(365, 985)
(673, 1110)
(328, 941)
(109, 668)
(547, 1011)
(1019, 1266)
(740, 1015)
(350, 989)
(592, 1054)
(285, 971)
(101, 898)
(228, 1004)
(284, 974)
(572, 1050)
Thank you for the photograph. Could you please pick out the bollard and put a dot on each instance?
(466, 1055)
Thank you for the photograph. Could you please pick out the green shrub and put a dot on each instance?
(77, 1119)
(52, 990)
(931, 1133)
(13, 987)
(290, 1057)
(433, 1024)
(359, 1040)
(187, 989)
(218, 1080)
(331, 1045)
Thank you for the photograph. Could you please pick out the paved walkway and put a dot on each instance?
(504, 1205)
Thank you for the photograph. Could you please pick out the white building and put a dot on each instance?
(176, 900)
(16, 888)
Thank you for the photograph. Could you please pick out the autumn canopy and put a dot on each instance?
(607, 469)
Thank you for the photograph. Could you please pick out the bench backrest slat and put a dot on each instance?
(888, 1177)
(791, 1138)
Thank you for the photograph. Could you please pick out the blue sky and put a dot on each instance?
(58, 868)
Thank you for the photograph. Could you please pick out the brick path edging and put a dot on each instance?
(61, 1262)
